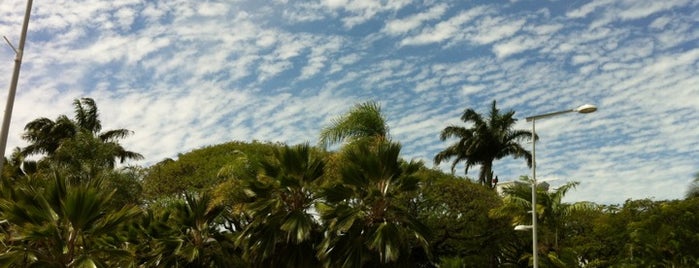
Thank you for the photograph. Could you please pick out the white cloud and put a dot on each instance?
(660, 22)
(642, 9)
(426, 84)
(491, 29)
(339, 64)
(270, 68)
(303, 12)
(400, 26)
(363, 10)
(319, 55)
(290, 47)
(212, 9)
(334, 4)
(545, 29)
(588, 8)
(125, 17)
(471, 89)
(516, 45)
(624, 10)
(444, 30)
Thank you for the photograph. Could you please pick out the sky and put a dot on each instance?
(187, 74)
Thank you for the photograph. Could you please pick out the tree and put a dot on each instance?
(82, 157)
(363, 122)
(232, 192)
(185, 232)
(203, 169)
(487, 140)
(127, 186)
(660, 233)
(694, 187)
(367, 221)
(63, 225)
(552, 215)
(46, 136)
(456, 212)
(283, 231)
(17, 166)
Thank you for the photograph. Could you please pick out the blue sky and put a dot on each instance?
(186, 74)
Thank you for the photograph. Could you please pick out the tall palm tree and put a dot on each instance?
(367, 224)
(46, 136)
(487, 139)
(283, 231)
(363, 122)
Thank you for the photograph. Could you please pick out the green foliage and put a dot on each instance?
(184, 233)
(198, 170)
(270, 205)
(554, 218)
(456, 212)
(664, 234)
(48, 137)
(63, 224)
(363, 122)
(583, 239)
(126, 183)
(283, 231)
(487, 140)
(367, 221)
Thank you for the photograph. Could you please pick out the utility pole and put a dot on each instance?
(13, 84)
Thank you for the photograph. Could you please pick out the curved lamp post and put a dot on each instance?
(583, 109)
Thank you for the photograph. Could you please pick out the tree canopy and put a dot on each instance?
(255, 204)
(486, 140)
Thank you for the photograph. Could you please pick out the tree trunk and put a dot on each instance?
(486, 175)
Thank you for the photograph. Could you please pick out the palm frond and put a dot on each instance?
(362, 121)
(114, 135)
(87, 115)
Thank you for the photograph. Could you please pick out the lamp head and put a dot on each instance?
(586, 109)
(523, 227)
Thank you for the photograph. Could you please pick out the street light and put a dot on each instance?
(583, 109)
(523, 227)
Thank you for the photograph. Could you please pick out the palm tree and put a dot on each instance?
(63, 225)
(487, 140)
(46, 136)
(363, 122)
(283, 231)
(552, 213)
(18, 166)
(231, 192)
(184, 234)
(367, 222)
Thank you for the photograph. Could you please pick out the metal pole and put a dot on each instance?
(584, 109)
(535, 253)
(13, 86)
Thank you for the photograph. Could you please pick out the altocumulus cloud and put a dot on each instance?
(186, 74)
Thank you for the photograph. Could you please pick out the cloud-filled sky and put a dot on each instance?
(186, 74)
